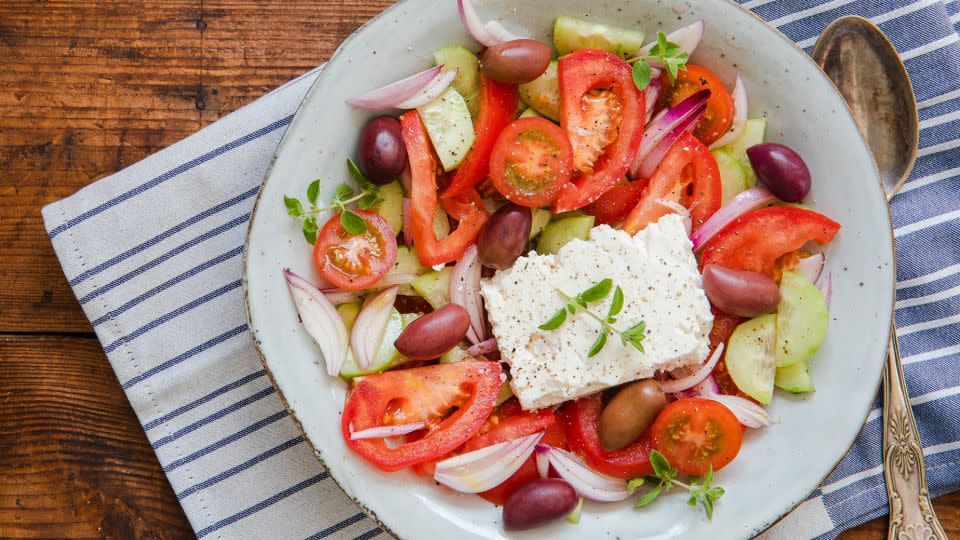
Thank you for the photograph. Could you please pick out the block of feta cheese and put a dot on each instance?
(661, 285)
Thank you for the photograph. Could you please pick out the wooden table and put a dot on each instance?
(88, 87)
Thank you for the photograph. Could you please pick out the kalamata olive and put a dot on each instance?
(381, 154)
(516, 62)
(434, 334)
(781, 170)
(504, 236)
(538, 502)
(740, 292)
(630, 413)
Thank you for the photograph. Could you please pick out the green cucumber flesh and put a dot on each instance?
(386, 356)
(733, 179)
(802, 320)
(454, 57)
(391, 207)
(795, 379)
(530, 112)
(407, 263)
(434, 286)
(749, 357)
(539, 220)
(543, 94)
(449, 126)
(558, 233)
(571, 34)
(753, 134)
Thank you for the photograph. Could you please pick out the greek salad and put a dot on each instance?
(564, 273)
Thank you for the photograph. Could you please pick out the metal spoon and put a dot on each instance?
(867, 70)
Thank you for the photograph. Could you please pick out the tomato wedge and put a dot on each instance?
(498, 107)
(531, 162)
(688, 175)
(696, 434)
(719, 114)
(355, 261)
(466, 208)
(614, 205)
(755, 240)
(581, 423)
(603, 114)
(424, 394)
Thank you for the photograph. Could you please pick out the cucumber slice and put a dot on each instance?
(795, 378)
(530, 112)
(753, 134)
(556, 234)
(391, 207)
(733, 178)
(348, 312)
(571, 34)
(543, 94)
(802, 320)
(387, 355)
(749, 357)
(467, 82)
(540, 218)
(434, 287)
(407, 263)
(454, 355)
(450, 127)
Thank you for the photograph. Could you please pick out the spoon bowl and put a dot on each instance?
(870, 75)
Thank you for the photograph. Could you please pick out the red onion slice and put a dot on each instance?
(430, 92)
(679, 385)
(487, 467)
(484, 347)
(499, 33)
(383, 432)
(653, 159)
(465, 291)
(388, 280)
(489, 34)
(542, 454)
(679, 209)
(370, 325)
(339, 296)
(587, 482)
(321, 321)
(739, 205)
(652, 93)
(664, 124)
(390, 95)
(688, 38)
(739, 115)
(826, 288)
(747, 412)
(811, 267)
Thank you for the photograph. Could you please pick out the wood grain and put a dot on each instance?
(87, 88)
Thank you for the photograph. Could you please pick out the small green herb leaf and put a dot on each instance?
(555, 321)
(342, 193)
(310, 229)
(357, 174)
(616, 306)
(641, 74)
(649, 497)
(371, 197)
(635, 335)
(634, 483)
(352, 222)
(294, 206)
(599, 343)
(670, 55)
(313, 190)
(661, 467)
(597, 292)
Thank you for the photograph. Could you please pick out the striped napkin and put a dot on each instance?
(153, 254)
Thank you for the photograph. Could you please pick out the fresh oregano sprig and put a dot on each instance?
(668, 53)
(368, 196)
(634, 335)
(664, 477)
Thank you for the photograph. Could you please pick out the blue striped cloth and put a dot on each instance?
(153, 254)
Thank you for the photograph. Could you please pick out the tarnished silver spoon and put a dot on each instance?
(870, 75)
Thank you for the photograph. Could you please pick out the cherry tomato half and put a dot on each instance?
(355, 261)
(719, 114)
(531, 162)
(614, 205)
(695, 434)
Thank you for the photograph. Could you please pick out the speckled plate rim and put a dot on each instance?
(776, 34)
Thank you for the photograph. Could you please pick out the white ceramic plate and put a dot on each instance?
(779, 465)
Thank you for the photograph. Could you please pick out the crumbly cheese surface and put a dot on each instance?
(662, 287)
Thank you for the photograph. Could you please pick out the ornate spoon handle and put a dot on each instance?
(911, 514)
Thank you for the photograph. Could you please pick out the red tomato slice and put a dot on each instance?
(498, 107)
(531, 162)
(755, 240)
(424, 394)
(614, 205)
(695, 434)
(687, 175)
(602, 112)
(355, 261)
(465, 207)
(581, 422)
(719, 114)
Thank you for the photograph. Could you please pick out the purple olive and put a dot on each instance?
(630, 413)
(516, 62)
(434, 334)
(538, 502)
(504, 236)
(381, 154)
(781, 170)
(740, 292)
